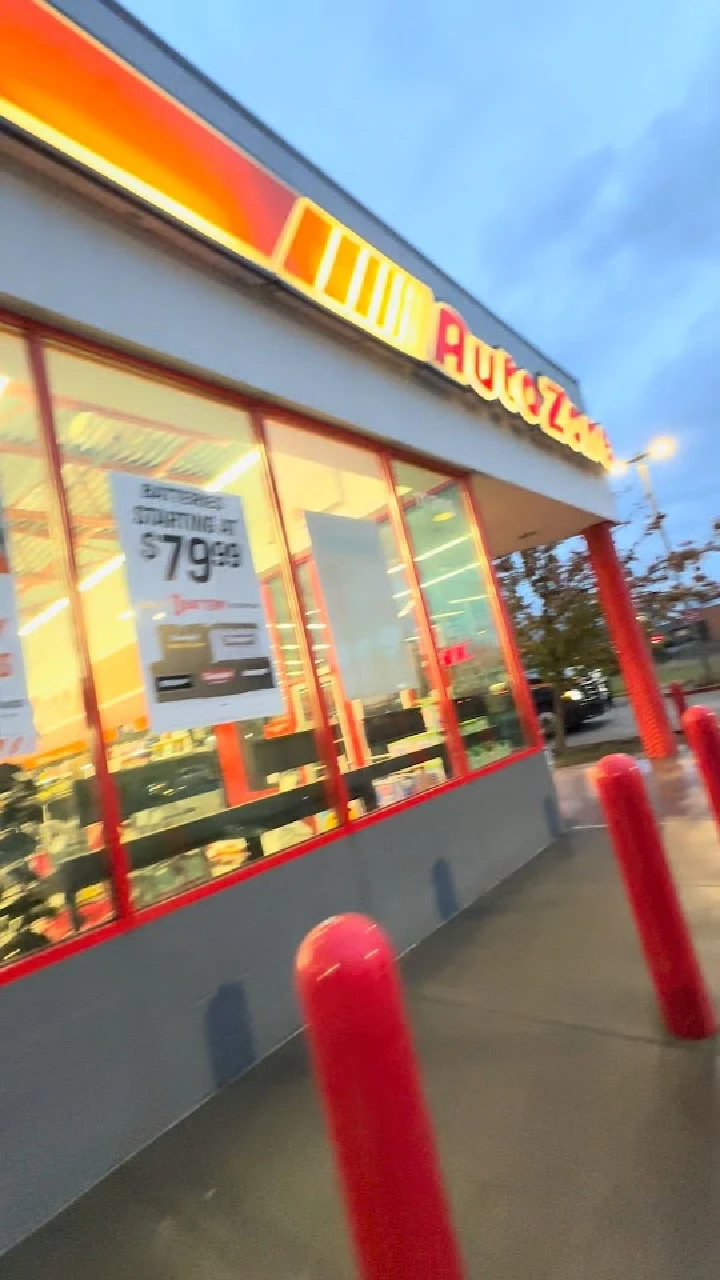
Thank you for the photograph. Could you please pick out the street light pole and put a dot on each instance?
(662, 447)
(643, 469)
(659, 448)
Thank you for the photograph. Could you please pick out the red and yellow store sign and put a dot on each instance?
(61, 87)
(493, 375)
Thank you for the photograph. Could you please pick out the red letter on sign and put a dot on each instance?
(553, 398)
(598, 445)
(526, 396)
(481, 368)
(450, 335)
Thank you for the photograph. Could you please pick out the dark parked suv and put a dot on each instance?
(584, 696)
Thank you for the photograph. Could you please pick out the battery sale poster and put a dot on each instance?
(202, 632)
(17, 728)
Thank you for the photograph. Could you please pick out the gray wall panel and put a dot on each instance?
(106, 1050)
(75, 1102)
(425, 865)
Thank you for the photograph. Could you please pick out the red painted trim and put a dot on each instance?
(200, 891)
(35, 333)
(145, 366)
(448, 719)
(58, 951)
(109, 807)
(515, 757)
(232, 764)
(105, 933)
(521, 691)
(338, 797)
(354, 437)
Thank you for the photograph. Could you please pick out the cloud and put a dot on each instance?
(620, 263)
(657, 200)
(560, 161)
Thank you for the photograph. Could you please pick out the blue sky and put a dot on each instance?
(561, 161)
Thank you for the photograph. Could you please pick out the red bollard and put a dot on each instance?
(703, 737)
(676, 693)
(663, 931)
(379, 1124)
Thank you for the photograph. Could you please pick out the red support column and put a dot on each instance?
(629, 643)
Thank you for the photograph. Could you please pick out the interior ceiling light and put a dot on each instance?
(57, 606)
(237, 469)
(103, 571)
(41, 618)
(431, 582)
(4, 383)
(78, 426)
(435, 551)
(440, 516)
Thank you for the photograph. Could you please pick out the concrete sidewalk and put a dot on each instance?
(578, 1143)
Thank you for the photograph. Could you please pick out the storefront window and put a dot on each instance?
(199, 666)
(457, 596)
(383, 710)
(53, 866)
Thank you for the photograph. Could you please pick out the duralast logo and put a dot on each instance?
(493, 375)
(181, 605)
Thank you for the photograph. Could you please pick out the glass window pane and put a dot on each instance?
(198, 801)
(53, 864)
(458, 600)
(383, 710)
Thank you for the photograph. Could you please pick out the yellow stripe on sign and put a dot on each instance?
(346, 275)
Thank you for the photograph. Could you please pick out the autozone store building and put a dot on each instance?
(256, 456)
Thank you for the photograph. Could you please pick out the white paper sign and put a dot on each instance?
(202, 631)
(17, 728)
(373, 652)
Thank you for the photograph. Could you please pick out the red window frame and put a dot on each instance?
(36, 336)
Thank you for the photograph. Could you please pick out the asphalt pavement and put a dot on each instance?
(619, 721)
